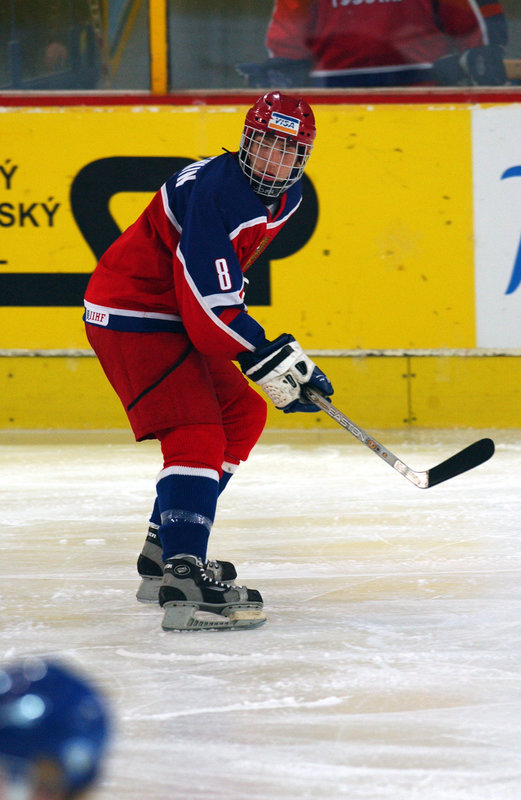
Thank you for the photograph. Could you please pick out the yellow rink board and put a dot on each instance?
(441, 392)
(390, 263)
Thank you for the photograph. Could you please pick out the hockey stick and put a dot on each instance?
(468, 458)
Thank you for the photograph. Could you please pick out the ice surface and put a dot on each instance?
(389, 666)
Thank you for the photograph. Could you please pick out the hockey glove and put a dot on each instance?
(276, 72)
(282, 369)
(479, 66)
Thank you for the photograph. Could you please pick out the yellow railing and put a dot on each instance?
(157, 11)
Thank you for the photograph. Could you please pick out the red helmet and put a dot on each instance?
(283, 120)
(283, 114)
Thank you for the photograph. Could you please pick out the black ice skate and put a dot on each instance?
(193, 601)
(150, 569)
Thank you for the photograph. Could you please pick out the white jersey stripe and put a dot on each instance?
(206, 308)
(324, 73)
(197, 472)
(481, 21)
(129, 312)
(168, 210)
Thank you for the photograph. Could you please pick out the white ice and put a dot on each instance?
(390, 663)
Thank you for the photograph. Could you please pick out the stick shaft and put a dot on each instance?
(468, 458)
(418, 478)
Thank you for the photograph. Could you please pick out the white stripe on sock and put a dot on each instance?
(193, 472)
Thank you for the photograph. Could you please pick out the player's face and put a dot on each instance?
(272, 157)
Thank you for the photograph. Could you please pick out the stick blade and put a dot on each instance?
(472, 456)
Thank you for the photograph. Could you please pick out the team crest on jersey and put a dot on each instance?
(256, 253)
(283, 123)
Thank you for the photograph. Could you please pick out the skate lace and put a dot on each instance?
(214, 582)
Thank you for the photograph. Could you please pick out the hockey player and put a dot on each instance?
(379, 43)
(165, 313)
(54, 731)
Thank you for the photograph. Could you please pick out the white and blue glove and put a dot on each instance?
(282, 370)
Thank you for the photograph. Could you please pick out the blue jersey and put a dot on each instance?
(181, 265)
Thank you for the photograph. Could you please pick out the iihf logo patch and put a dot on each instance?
(96, 317)
(283, 123)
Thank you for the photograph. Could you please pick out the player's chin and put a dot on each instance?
(265, 177)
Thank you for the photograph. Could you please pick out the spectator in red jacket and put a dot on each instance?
(379, 43)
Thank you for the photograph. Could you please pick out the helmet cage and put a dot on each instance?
(268, 176)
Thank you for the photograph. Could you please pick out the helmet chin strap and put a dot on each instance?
(275, 189)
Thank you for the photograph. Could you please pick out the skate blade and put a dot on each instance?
(190, 617)
(148, 591)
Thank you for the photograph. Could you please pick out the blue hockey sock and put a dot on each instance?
(187, 501)
(228, 470)
(155, 517)
(223, 481)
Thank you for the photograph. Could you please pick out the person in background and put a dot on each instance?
(52, 45)
(54, 731)
(165, 313)
(382, 43)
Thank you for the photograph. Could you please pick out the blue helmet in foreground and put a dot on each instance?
(53, 727)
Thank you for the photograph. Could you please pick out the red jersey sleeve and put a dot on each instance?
(291, 28)
(470, 23)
